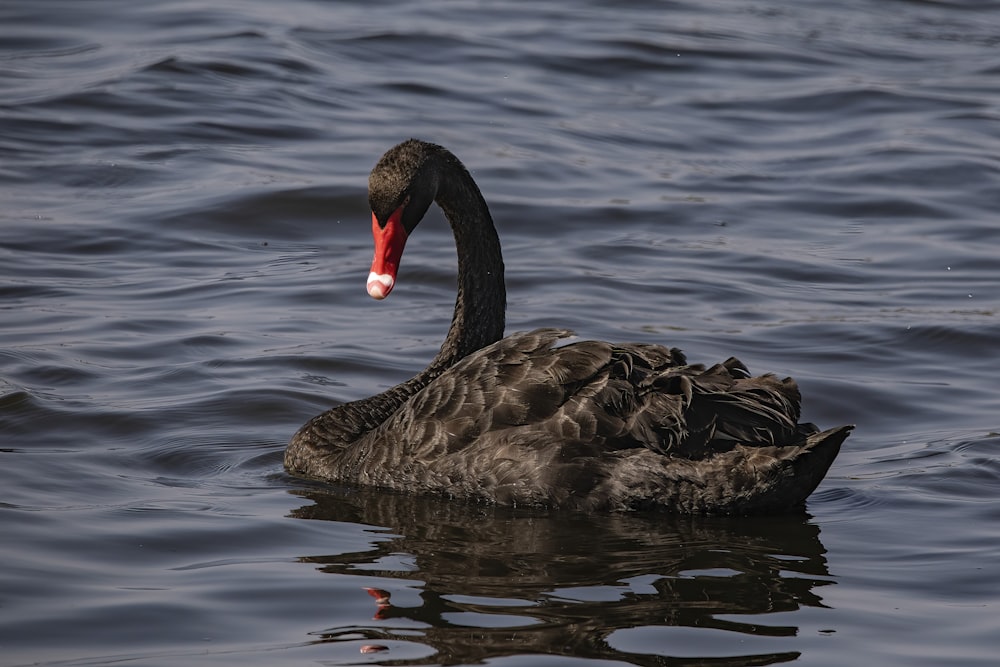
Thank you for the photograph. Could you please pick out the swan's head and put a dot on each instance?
(400, 190)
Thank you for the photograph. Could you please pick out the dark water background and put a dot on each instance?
(184, 242)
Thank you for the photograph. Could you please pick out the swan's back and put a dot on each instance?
(591, 425)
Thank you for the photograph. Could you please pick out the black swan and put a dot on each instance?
(532, 420)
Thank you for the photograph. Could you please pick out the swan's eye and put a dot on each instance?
(406, 200)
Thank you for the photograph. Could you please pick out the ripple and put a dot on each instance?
(186, 236)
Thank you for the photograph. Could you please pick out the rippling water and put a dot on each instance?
(183, 254)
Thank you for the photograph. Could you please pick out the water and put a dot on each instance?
(184, 249)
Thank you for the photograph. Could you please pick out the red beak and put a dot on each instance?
(389, 242)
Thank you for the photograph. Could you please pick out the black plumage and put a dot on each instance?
(534, 419)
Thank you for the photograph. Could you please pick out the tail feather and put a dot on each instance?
(744, 480)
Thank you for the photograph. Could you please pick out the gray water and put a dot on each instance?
(812, 187)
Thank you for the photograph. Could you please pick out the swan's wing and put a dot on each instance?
(595, 397)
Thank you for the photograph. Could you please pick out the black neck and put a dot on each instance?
(481, 301)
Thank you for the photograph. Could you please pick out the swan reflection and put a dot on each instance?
(496, 582)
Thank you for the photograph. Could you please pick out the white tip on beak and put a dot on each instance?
(379, 285)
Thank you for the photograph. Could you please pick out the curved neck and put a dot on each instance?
(481, 301)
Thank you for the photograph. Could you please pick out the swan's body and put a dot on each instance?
(529, 420)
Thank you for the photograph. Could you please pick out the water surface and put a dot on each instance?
(185, 243)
